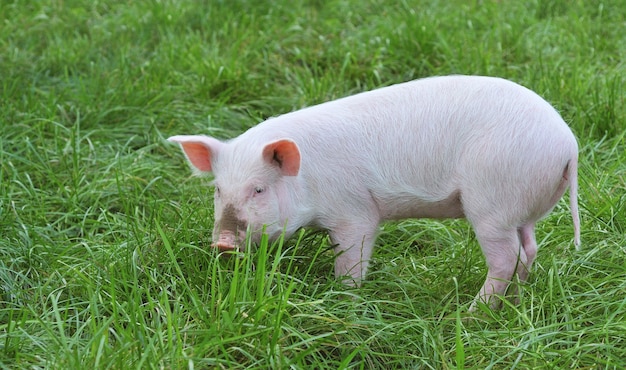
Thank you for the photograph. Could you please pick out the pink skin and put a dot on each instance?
(481, 148)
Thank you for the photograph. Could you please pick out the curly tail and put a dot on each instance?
(572, 175)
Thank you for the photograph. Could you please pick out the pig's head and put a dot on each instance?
(252, 182)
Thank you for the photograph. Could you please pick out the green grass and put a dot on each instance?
(105, 258)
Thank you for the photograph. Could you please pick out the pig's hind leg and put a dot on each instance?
(527, 237)
(507, 250)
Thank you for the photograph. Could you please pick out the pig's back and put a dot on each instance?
(423, 138)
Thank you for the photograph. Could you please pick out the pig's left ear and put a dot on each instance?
(200, 150)
(285, 155)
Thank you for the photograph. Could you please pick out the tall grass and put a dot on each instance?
(105, 258)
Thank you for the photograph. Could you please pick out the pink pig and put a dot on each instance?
(482, 148)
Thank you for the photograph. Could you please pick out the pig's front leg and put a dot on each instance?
(354, 244)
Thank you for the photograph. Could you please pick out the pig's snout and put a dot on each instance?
(226, 241)
(230, 231)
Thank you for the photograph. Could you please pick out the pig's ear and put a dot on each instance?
(285, 155)
(198, 149)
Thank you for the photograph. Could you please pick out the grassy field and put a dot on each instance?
(105, 258)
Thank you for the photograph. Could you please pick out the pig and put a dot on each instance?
(481, 148)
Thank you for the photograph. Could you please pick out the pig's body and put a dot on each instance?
(445, 147)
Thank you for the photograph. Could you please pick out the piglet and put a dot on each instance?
(482, 148)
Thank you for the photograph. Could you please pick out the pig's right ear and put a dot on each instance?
(285, 155)
(199, 150)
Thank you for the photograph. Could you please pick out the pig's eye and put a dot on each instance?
(217, 191)
(259, 190)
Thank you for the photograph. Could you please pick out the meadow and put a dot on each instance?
(105, 257)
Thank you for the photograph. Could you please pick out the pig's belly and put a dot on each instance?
(401, 206)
